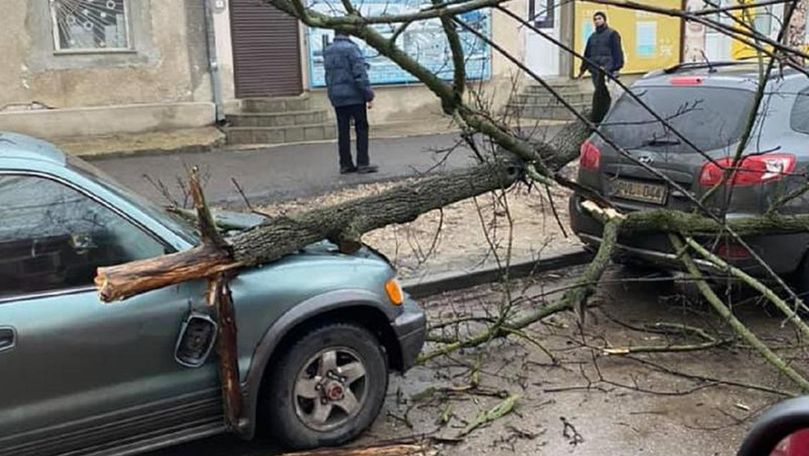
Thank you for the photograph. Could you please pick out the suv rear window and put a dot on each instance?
(711, 118)
(799, 119)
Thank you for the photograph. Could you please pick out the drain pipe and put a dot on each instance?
(213, 62)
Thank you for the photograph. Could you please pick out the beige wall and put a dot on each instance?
(413, 102)
(168, 63)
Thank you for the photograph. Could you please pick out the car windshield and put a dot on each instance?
(173, 222)
(710, 117)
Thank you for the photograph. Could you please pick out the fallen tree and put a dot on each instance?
(343, 224)
(515, 158)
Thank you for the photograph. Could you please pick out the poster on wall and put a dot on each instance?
(424, 40)
(646, 39)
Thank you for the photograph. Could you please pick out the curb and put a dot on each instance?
(221, 144)
(458, 280)
(189, 149)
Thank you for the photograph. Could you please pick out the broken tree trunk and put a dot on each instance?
(342, 223)
(219, 300)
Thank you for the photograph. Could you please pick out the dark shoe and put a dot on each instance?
(367, 169)
(350, 169)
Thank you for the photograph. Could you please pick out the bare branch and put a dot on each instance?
(734, 322)
(355, 22)
(458, 60)
(741, 6)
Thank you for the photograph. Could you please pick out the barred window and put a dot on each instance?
(90, 25)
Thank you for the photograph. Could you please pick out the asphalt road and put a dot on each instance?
(284, 172)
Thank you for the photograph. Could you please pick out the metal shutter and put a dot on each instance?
(266, 50)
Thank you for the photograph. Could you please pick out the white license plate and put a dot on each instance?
(639, 191)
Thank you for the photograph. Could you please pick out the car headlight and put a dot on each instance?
(394, 292)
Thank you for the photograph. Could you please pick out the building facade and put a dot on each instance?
(263, 52)
(707, 43)
(92, 67)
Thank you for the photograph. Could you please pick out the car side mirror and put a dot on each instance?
(196, 340)
(781, 431)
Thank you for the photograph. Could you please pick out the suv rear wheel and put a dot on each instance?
(326, 388)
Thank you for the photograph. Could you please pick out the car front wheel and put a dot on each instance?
(326, 388)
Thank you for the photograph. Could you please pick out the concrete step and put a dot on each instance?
(545, 112)
(550, 100)
(275, 104)
(280, 135)
(277, 119)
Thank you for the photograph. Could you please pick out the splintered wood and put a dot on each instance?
(415, 449)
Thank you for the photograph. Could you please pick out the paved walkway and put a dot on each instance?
(284, 172)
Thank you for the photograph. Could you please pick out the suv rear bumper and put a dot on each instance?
(411, 331)
(782, 252)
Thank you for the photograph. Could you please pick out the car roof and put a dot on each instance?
(735, 74)
(19, 146)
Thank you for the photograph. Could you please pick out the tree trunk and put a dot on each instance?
(796, 34)
(343, 224)
(220, 300)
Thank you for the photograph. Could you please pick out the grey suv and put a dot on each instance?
(709, 105)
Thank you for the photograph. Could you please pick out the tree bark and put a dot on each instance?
(669, 221)
(219, 300)
(796, 34)
(343, 224)
(126, 280)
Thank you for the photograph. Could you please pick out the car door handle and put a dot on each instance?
(8, 339)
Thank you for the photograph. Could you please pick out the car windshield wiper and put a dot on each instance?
(661, 142)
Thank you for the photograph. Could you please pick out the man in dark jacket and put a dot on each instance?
(604, 50)
(349, 92)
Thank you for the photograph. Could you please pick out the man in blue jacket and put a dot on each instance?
(604, 50)
(349, 92)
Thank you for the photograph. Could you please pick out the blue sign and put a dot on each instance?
(423, 40)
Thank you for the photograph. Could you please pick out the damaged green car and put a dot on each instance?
(318, 331)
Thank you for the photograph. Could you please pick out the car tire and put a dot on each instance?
(637, 267)
(327, 387)
(799, 280)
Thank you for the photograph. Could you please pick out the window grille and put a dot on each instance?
(90, 25)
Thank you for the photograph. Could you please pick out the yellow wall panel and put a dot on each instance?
(650, 41)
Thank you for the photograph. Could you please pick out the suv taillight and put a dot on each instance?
(752, 170)
(590, 157)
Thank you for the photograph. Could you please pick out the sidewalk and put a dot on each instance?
(285, 172)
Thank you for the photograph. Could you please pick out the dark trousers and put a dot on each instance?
(599, 79)
(344, 116)
(601, 97)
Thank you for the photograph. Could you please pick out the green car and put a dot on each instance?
(318, 331)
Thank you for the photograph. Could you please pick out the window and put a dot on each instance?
(90, 25)
(53, 237)
(711, 118)
(799, 118)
